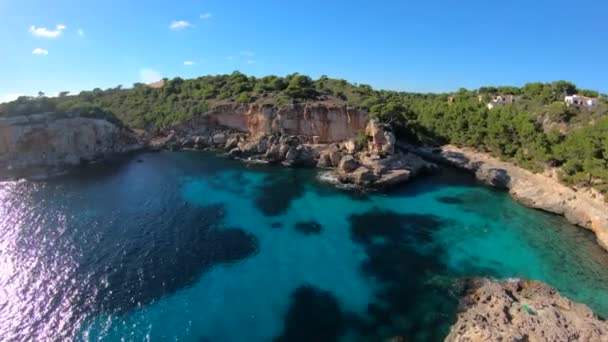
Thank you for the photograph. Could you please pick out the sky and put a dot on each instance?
(427, 46)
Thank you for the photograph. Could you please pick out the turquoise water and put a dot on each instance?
(194, 247)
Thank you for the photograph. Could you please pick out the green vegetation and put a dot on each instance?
(535, 131)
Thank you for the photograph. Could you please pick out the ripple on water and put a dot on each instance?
(190, 246)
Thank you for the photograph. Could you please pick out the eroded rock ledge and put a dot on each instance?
(540, 191)
(521, 310)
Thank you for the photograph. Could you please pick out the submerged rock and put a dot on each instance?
(523, 311)
(307, 228)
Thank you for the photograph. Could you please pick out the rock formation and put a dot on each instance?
(321, 123)
(54, 141)
(260, 134)
(522, 311)
(538, 191)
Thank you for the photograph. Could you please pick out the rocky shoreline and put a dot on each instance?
(520, 310)
(355, 151)
(372, 164)
(43, 145)
(581, 207)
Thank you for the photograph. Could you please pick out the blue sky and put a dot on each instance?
(426, 45)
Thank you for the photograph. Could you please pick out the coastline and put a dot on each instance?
(539, 191)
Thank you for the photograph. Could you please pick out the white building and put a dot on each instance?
(500, 100)
(580, 101)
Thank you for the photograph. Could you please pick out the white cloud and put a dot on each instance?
(178, 25)
(41, 52)
(149, 76)
(80, 32)
(206, 15)
(250, 61)
(189, 63)
(44, 32)
(247, 53)
(9, 97)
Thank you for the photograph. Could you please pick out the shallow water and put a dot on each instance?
(194, 247)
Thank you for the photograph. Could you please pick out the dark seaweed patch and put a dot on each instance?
(309, 227)
(392, 226)
(314, 315)
(402, 257)
(274, 197)
(450, 200)
(144, 270)
(276, 225)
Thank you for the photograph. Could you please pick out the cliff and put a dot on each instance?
(522, 311)
(322, 123)
(53, 141)
(539, 191)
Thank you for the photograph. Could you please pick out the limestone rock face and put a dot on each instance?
(50, 140)
(382, 140)
(325, 123)
(523, 311)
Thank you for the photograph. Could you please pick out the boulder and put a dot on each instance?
(283, 149)
(392, 177)
(231, 142)
(348, 164)
(306, 156)
(219, 139)
(262, 145)
(235, 152)
(363, 176)
(324, 160)
(330, 156)
(351, 147)
(273, 154)
(291, 154)
(495, 177)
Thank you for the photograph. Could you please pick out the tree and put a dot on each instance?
(301, 87)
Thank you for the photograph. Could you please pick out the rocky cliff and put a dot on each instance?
(322, 123)
(298, 136)
(521, 310)
(539, 191)
(53, 141)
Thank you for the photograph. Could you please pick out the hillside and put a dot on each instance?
(535, 131)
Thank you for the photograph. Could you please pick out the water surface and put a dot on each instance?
(194, 247)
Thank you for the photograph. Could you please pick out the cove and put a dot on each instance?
(195, 247)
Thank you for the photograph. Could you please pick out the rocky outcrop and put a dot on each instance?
(374, 166)
(521, 310)
(52, 141)
(540, 191)
(373, 171)
(319, 122)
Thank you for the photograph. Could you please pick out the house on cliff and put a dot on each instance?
(580, 101)
(500, 100)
